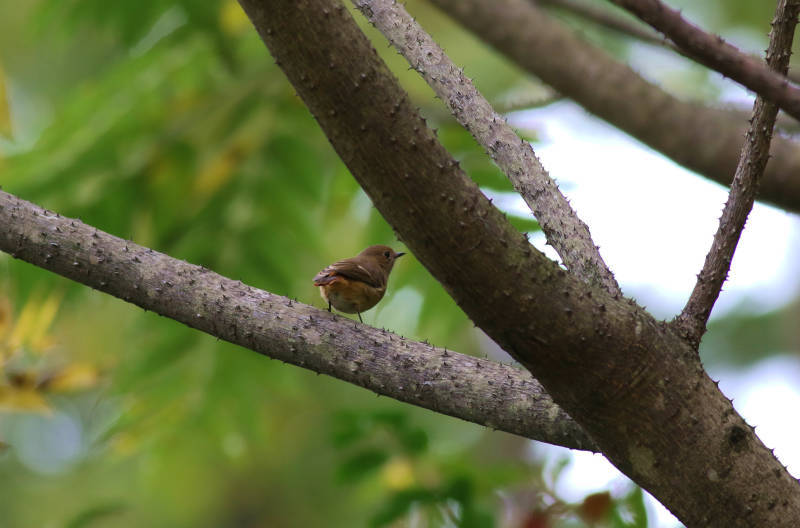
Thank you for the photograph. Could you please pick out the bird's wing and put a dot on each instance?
(351, 270)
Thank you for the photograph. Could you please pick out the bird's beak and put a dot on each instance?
(398, 255)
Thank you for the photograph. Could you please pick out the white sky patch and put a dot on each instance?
(654, 222)
(763, 395)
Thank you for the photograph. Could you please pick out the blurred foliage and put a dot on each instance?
(743, 23)
(5, 112)
(492, 483)
(167, 123)
(743, 337)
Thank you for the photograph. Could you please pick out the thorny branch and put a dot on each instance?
(710, 139)
(752, 162)
(633, 384)
(568, 235)
(473, 389)
(603, 18)
(715, 53)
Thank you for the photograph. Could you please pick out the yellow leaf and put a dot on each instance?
(25, 399)
(5, 328)
(217, 171)
(5, 317)
(77, 376)
(47, 313)
(398, 474)
(33, 323)
(232, 18)
(124, 443)
(5, 109)
(22, 327)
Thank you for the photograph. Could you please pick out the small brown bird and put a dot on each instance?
(356, 284)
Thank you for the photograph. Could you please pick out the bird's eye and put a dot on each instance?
(387, 254)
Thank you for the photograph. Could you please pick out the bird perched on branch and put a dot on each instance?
(356, 284)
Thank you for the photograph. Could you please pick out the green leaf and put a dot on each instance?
(96, 513)
(489, 177)
(362, 464)
(630, 511)
(399, 504)
(348, 428)
(459, 488)
(414, 441)
(635, 501)
(524, 225)
(476, 518)
(395, 419)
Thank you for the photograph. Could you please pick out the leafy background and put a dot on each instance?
(168, 123)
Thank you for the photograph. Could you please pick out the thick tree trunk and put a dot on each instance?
(637, 388)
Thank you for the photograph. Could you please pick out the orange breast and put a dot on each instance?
(350, 296)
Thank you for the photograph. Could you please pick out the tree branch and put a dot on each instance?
(755, 153)
(631, 382)
(603, 18)
(568, 235)
(715, 53)
(477, 390)
(703, 139)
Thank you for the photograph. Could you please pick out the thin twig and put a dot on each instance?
(709, 140)
(715, 53)
(603, 18)
(753, 160)
(608, 20)
(568, 235)
(473, 389)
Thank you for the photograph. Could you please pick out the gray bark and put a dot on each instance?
(634, 385)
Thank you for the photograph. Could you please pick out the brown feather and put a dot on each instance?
(356, 284)
(356, 269)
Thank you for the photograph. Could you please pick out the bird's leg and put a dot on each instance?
(329, 306)
(359, 317)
